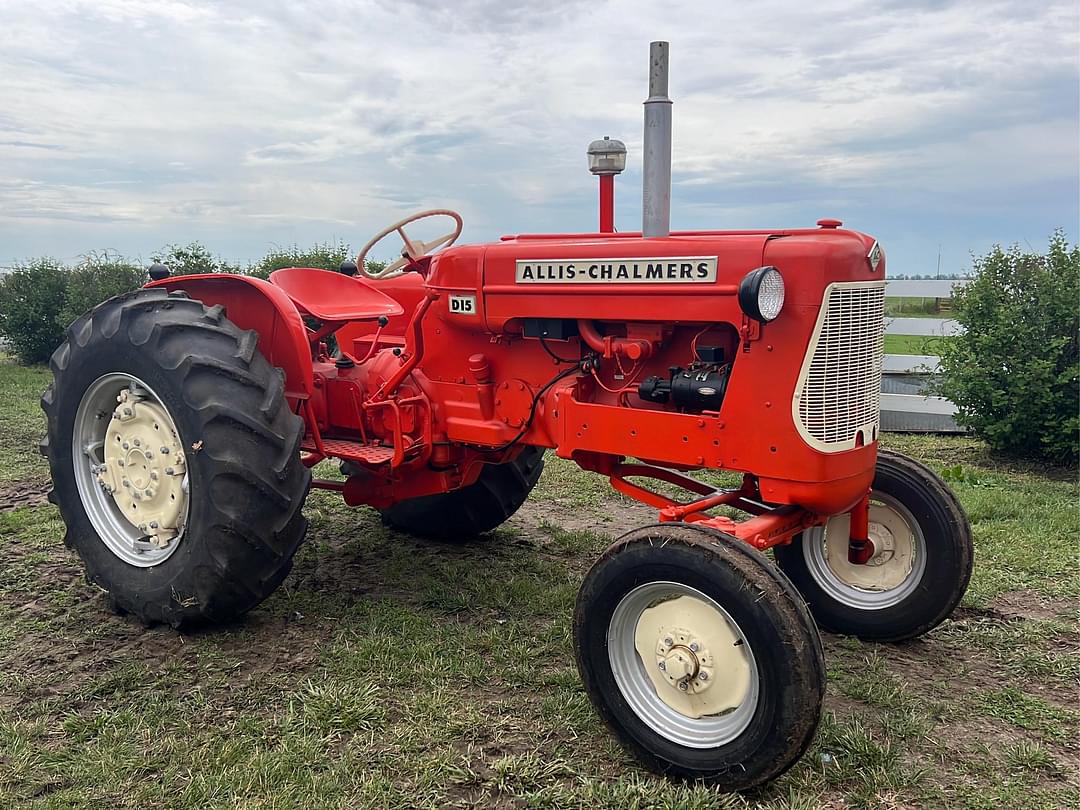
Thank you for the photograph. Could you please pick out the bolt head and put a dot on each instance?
(153, 524)
(683, 686)
(127, 483)
(163, 450)
(169, 470)
(136, 442)
(148, 493)
(704, 676)
(663, 665)
(668, 641)
(127, 411)
(120, 462)
(693, 647)
(126, 446)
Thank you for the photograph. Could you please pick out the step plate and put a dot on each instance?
(353, 451)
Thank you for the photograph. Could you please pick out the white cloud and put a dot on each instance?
(134, 122)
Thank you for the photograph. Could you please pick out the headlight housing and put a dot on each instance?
(761, 294)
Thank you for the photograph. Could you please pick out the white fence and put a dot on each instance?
(906, 407)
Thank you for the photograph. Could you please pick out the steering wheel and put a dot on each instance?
(414, 248)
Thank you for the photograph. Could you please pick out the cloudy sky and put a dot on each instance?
(129, 124)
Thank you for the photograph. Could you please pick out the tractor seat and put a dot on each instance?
(332, 296)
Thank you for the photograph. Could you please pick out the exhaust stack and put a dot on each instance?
(656, 162)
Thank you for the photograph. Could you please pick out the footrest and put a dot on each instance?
(370, 454)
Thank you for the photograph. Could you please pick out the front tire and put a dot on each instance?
(920, 569)
(700, 656)
(163, 405)
(483, 505)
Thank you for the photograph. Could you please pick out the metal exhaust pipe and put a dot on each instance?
(656, 161)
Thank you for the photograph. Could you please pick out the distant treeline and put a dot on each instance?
(40, 297)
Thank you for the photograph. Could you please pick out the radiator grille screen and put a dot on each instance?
(839, 393)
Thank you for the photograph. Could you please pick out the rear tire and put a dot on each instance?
(920, 514)
(245, 484)
(464, 513)
(663, 592)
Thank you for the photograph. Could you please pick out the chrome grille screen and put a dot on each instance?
(838, 396)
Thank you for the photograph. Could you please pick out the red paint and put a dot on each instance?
(607, 203)
(434, 394)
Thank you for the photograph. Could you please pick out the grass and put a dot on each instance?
(388, 672)
(914, 307)
(913, 344)
(20, 392)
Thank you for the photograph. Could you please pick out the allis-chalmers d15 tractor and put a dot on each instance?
(184, 420)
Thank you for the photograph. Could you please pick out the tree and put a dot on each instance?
(1014, 372)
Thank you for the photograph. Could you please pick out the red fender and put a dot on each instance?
(252, 303)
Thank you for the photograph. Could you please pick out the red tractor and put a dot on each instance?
(184, 420)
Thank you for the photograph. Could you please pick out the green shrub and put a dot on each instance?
(1014, 372)
(31, 299)
(194, 257)
(323, 255)
(98, 277)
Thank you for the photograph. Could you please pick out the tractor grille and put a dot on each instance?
(839, 391)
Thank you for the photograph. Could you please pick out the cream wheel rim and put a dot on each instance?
(889, 576)
(683, 665)
(130, 469)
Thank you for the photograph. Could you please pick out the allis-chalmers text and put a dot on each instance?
(670, 269)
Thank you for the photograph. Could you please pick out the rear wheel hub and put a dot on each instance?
(144, 467)
(130, 469)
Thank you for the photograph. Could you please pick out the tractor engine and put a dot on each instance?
(716, 350)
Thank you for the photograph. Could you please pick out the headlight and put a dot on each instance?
(761, 294)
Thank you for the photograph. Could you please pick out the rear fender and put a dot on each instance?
(252, 303)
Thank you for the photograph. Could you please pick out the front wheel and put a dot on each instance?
(699, 655)
(923, 554)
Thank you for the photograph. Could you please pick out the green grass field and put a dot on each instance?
(389, 672)
(913, 344)
(913, 307)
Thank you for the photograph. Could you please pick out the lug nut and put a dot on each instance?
(663, 665)
(163, 450)
(668, 642)
(153, 476)
(120, 462)
(148, 493)
(126, 446)
(169, 471)
(704, 676)
(683, 686)
(136, 442)
(127, 411)
(127, 483)
(153, 524)
(693, 647)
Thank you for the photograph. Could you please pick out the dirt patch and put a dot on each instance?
(1031, 605)
(20, 494)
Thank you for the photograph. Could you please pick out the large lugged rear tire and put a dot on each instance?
(920, 569)
(480, 507)
(700, 655)
(217, 441)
